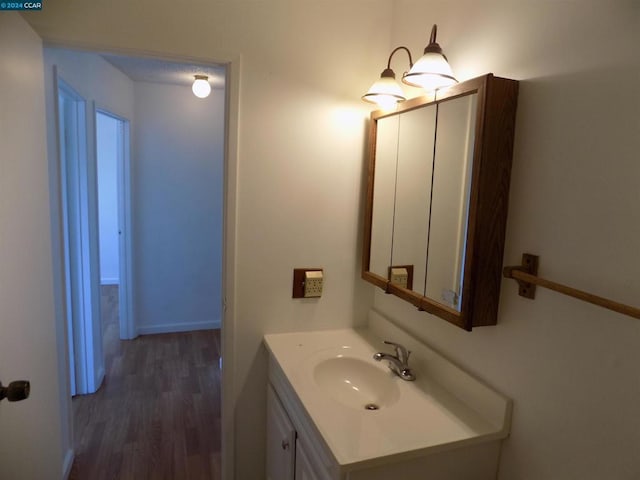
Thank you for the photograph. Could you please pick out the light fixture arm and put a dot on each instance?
(433, 46)
(388, 72)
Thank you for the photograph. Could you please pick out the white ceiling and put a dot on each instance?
(163, 71)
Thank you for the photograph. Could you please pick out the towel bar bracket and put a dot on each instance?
(530, 266)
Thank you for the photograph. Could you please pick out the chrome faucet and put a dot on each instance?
(398, 363)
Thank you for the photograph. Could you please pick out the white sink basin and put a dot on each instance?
(356, 382)
(334, 376)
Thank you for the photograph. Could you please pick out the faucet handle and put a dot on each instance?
(401, 352)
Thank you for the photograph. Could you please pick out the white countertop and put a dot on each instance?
(424, 418)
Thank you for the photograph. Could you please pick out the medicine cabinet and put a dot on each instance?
(437, 197)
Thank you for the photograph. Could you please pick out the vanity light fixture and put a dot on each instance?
(201, 87)
(430, 72)
(386, 91)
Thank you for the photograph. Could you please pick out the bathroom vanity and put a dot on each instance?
(333, 413)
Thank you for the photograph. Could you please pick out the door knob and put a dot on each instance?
(16, 391)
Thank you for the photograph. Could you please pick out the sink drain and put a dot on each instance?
(371, 406)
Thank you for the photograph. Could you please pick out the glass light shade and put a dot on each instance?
(386, 92)
(201, 87)
(430, 72)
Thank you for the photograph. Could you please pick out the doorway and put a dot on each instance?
(167, 205)
(114, 213)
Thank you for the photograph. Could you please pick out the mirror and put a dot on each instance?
(437, 197)
(413, 200)
(450, 189)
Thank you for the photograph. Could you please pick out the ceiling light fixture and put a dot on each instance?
(201, 87)
(430, 72)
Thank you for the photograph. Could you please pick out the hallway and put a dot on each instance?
(157, 413)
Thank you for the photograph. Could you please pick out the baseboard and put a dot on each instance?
(177, 327)
(67, 464)
(109, 281)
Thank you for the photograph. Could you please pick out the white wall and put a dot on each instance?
(177, 207)
(571, 368)
(33, 441)
(107, 157)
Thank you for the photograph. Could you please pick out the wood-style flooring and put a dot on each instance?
(157, 414)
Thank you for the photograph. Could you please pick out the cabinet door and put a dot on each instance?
(281, 437)
(304, 468)
(383, 196)
(452, 171)
(414, 174)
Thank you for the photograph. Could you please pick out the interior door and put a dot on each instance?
(31, 439)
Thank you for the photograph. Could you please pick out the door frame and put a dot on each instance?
(232, 65)
(84, 337)
(127, 325)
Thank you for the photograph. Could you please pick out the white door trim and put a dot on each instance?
(128, 329)
(83, 336)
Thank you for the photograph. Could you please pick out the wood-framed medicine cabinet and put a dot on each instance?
(437, 198)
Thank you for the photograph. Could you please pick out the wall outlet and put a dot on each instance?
(307, 282)
(400, 277)
(313, 283)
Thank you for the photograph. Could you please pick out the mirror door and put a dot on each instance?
(414, 176)
(384, 186)
(453, 159)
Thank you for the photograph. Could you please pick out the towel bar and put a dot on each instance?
(526, 276)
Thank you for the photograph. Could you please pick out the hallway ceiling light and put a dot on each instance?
(201, 87)
(430, 72)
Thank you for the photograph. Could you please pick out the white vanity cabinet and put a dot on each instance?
(444, 426)
(296, 451)
(281, 440)
(305, 469)
(287, 457)
(286, 427)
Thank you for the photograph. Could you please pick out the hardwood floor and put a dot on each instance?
(157, 414)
